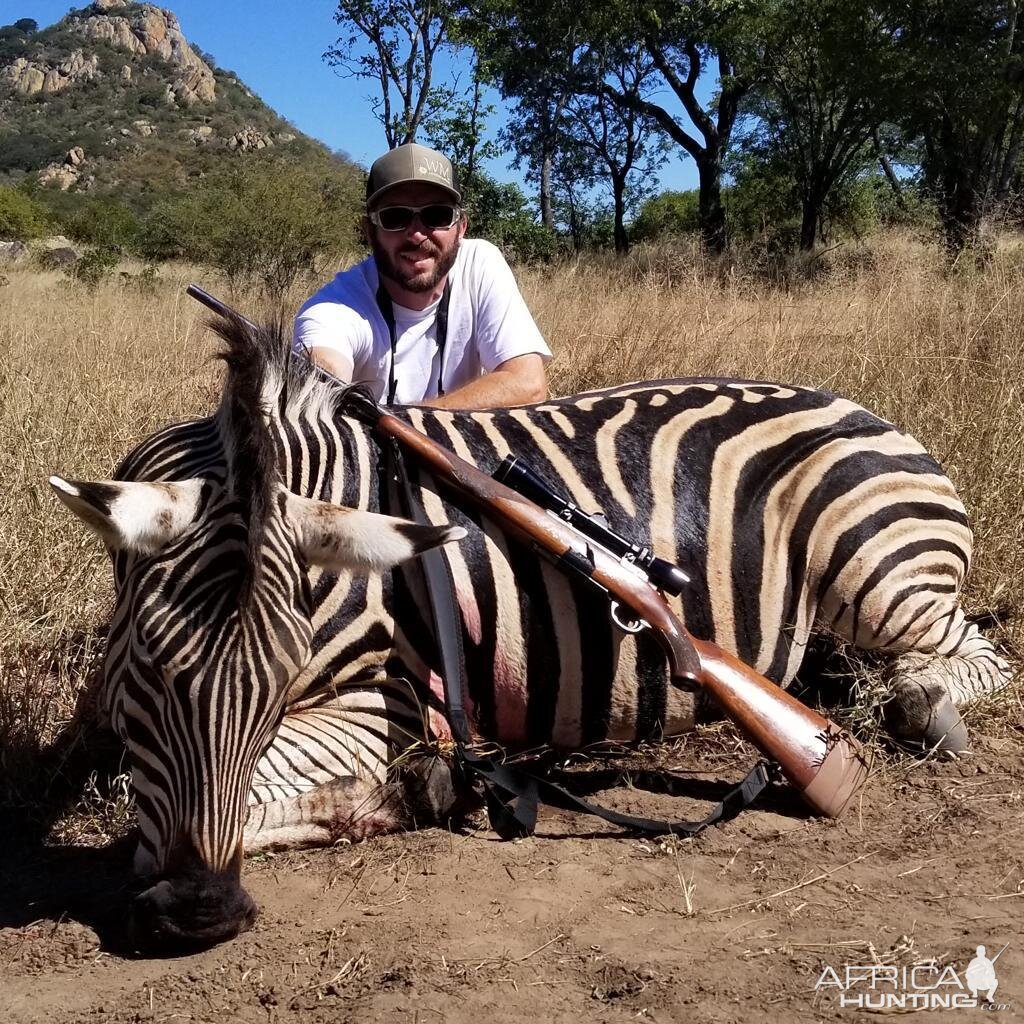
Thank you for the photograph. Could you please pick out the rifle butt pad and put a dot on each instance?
(840, 775)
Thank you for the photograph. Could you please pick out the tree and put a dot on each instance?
(614, 132)
(532, 133)
(685, 42)
(529, 48)
(826, 88)
(27, 25)
(535, 46)
(962, 85)
(393, 43)
(458, 131)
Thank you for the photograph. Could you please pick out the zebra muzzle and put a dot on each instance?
(190, 912)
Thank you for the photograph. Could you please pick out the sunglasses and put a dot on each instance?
(434, 217)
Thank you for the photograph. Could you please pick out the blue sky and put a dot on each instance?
(276, 48)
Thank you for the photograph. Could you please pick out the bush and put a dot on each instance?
(104, 223)
(263, 223)
(761, 205)
(21, 219)
(669, 214)
(500, 213)
(93, 266)
(27, 151)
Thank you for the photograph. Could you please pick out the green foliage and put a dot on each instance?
(21, 219)
(500, 213)
(27, 25)
(93, 267)
(27, 151)
(961, 77)
(263, 222)
(105, 223)
(763, 203)
(667, 215)
(912, 209)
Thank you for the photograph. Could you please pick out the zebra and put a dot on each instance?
(271, 667)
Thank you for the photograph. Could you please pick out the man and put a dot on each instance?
(430, 318)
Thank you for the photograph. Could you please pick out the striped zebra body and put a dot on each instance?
(791, 509)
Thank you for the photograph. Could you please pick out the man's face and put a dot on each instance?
(417, 258)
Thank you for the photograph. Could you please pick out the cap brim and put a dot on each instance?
(454, 193)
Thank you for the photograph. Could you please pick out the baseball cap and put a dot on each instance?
(411, 163)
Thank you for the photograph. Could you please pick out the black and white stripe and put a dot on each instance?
(792, 510)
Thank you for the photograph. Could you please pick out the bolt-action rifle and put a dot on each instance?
(821, 760)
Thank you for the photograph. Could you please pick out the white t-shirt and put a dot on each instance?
(488, 323)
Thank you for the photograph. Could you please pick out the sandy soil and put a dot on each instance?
(567, 926)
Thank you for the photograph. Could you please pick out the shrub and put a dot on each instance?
(27, 151)
(667, 214)
(21, 219)
(104, 223)
(262, 223)
(500, 213)
(93, 266)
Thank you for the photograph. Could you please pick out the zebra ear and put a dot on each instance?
(339, 538)
(132, 516)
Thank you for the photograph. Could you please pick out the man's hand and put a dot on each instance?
(518, 381)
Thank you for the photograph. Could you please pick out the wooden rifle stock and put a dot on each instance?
(824, 762)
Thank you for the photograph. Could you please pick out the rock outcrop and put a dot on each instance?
(64, 174)
(198, 136)
(28, 77)
(249, 139)
(146, 29)
(126, 83)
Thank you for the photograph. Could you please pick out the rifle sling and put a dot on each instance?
(513, 793)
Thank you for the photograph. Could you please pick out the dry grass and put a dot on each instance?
(84, 375)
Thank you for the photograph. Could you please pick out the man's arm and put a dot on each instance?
(517, 381)
(333, 361)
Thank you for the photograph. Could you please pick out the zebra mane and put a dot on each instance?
(265, 385)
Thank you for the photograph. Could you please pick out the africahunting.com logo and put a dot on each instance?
(922, 986)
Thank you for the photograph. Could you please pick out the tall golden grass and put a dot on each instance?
(85, 374)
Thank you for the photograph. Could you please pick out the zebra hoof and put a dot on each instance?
(921, 716)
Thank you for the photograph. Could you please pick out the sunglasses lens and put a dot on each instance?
(395, 218)
(434, 217)
(438, 216)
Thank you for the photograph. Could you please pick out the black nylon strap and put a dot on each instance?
(512, 821)
(512, 793)
(387, 310)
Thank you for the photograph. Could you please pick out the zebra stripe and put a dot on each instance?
(792, 509)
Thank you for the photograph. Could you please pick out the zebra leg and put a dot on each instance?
(354, 809)
(316, 785)
(944, 662)
(929, 687)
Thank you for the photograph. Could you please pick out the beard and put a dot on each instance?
(414, 281)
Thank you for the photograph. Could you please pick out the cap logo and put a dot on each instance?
(436, 168)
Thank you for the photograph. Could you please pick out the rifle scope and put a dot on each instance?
(515, 473)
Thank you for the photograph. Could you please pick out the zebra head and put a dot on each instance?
(212, 626)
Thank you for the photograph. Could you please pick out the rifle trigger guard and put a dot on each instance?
(629, 625)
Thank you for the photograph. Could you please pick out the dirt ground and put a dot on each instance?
(570, 925)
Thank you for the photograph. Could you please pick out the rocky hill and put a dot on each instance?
(115, 98)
